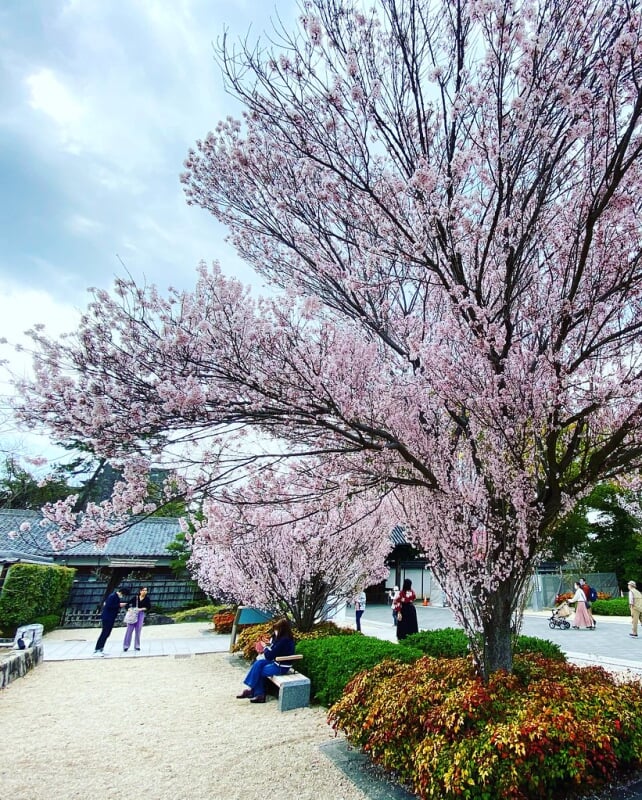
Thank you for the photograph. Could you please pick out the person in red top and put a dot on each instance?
(587, 593)
(404, 605)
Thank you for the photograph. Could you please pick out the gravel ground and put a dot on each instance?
(159, 728)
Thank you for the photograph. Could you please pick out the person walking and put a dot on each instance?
(581, 618)
(142, 604)
(393, 593)
(281, 644)
(404, 606)
(635, 604)
(111, 607)
(359, 608)
(587, 593)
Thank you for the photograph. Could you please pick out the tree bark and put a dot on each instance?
(497, 630)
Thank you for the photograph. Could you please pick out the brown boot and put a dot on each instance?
(245, 693)
(260, 698)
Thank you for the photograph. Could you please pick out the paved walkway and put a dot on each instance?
(609, 645)
(183, 639)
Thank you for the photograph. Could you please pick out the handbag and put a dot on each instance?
(131, 616)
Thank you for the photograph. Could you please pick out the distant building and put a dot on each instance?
(137, 556)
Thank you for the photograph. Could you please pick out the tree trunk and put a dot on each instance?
(497, 629)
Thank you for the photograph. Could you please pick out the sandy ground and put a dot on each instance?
(160, 728)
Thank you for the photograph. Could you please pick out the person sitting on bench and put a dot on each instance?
(281, 644)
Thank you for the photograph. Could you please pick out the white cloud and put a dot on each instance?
(83, 226)
(101, 103)
(48, 94)
(20, 310)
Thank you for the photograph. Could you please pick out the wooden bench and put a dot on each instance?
(293, 689)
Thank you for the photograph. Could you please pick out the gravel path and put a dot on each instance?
(160, 729)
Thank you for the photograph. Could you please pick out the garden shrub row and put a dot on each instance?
(616, 607)
(248, 635)
(332, 656)
(452, 643)
(432, 722)
(331, 662)
(195, 614)
(446, 735)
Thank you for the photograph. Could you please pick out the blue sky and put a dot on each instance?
(101, 100)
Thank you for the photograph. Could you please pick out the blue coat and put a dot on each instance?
(111, 607)
(278, 648)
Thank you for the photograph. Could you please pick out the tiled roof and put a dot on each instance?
(397, 535)
(147, 537)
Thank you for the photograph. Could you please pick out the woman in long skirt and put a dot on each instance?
(404, 606)
(581, 618)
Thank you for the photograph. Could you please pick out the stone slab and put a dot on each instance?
(294, 691)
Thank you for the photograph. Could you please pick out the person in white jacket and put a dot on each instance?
(581, 618)
(359, 608)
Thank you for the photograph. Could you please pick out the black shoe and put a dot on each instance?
(245, 693)
(634, 635)
(260, 698)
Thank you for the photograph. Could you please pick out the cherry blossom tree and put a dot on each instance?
(296, 556)
(446, 199)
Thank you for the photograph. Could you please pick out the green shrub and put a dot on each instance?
(198, 614)
(532, 644)
(617, 607)
(331, 662)
(49, 622)
(453, 643)
(31, 591)
(442, 643)
(523, 735)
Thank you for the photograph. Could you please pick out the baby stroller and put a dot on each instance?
(559, 616)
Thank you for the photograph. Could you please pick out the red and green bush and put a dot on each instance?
(545, 731)
(223, 621)
(250, 633)
(568, 595)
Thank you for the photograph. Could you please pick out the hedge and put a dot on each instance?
(32, 592)
(332, 662)
(452, 643)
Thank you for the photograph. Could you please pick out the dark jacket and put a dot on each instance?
(136, 602)
(278, 648)
(111, 607)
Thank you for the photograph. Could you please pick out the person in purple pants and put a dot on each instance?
(142, 602)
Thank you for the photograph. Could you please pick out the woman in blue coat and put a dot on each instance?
(281, 644)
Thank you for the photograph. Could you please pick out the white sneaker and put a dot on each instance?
(98, 652)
